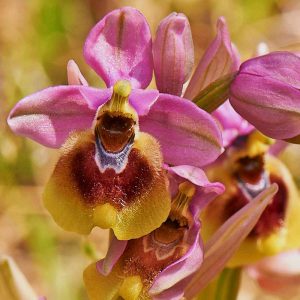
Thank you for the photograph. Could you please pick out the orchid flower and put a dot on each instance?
(247, 168)
(150, 266)
(162, 264)
(110, 171)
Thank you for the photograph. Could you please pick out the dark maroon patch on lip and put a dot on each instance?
(117, 189)
(135, 261)
(273, 216)
(250, 169)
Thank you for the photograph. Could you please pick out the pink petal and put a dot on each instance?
(74, 75)
(49, 116)
(283, 264)
(141, 100)
(176, 292)
(120, 47)
(173, 54)
(187, 134)
(219, 60)
(206, 191)
(183, 267)
(227, 240)
(281, 66)
(233, 124)
(278, 147)
(279, 274)
(116, 249)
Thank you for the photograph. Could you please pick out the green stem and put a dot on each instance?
(224, 287)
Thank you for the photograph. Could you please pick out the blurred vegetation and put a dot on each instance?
(37, 38)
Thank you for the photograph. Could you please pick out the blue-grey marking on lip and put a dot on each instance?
(108, 160)
(252, 190)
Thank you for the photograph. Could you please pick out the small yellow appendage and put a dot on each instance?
(105, 216)
(131, 288)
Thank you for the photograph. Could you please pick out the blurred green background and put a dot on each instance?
(37, 38)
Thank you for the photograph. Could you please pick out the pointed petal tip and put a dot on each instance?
(74, 75)
(218, 60)
(221, 22)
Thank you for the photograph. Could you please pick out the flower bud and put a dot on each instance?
(266, 93)
(173, 54)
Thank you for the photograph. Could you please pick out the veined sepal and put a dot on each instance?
(215, 94)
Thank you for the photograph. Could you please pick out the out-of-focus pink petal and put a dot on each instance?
(227, 240)
(120, 47)
(141, 100)
(279, 274)
(183, 267)
(270, 105)
(48, 116)
(74, 75)
(218, 60)
(187, 134)
(173, 54)
(116, 249)
(278, 147)
(233, 124)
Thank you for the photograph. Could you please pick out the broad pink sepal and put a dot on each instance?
(187, 134)
(120, 47)
(49, 116)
